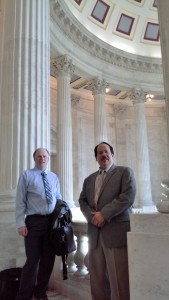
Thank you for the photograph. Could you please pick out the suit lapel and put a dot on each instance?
(93, 179)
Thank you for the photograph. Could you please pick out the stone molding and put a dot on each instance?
(73, 29)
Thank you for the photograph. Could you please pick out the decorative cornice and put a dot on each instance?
(93, 45)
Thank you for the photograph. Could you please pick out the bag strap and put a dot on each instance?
(64, 263)
(60, 204)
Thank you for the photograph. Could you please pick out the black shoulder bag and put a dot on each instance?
(62, 238)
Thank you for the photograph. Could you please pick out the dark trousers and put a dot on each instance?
(40, 259)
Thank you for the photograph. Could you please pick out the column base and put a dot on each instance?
(11, 244)
(7, 202)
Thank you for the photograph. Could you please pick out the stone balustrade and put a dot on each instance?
(77, 286)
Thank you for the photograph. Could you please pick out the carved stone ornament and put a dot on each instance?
(120, 108)
(163, 205)
(63, 64)
(75, 100)
(137, 95)
(98, 86)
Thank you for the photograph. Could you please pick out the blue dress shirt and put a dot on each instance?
(31, 197)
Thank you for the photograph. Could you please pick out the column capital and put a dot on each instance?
(137, 95)
(62, 65)
(98, 86)
(75, 100)
(120, 108)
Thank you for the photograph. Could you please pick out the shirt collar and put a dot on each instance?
(105, 170)
(40, 170)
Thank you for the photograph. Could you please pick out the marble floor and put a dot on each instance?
(56, 296)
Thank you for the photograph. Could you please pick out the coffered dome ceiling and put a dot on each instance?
(129, 25)
(116, 39)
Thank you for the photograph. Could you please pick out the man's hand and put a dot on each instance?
(23, 231)
(98, 219)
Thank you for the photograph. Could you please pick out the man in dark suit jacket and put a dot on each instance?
(108, 214)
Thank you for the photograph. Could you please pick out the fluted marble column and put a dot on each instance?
(75, 103)
(24, 94)
(163, 12)
(142, 153)
(63, 70)
(24, 109)
(100, 126)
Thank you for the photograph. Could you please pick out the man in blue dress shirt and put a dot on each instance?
(33, 212)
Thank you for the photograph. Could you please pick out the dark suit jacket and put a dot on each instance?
(115, 201)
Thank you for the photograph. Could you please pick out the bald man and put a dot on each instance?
(33, 214)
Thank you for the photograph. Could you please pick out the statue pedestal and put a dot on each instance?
(163, 205)
(148, 244)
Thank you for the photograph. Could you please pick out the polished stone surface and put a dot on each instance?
(148, 244)
(52, 295)
(59, 297)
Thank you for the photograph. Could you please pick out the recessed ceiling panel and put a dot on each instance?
(125, 24)
(101, 12)
(155, 3)
(137, 2)
(79, 4)
(152, 32)
(78, 1)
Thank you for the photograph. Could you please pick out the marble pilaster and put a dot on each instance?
(98, 89)
(142, 153)
(120, 110)
(63, 70)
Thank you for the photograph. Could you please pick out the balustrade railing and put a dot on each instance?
(78, 285)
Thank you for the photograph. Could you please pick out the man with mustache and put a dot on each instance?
(106, 201)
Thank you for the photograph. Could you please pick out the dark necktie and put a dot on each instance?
(48, 192)
(98, 184)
